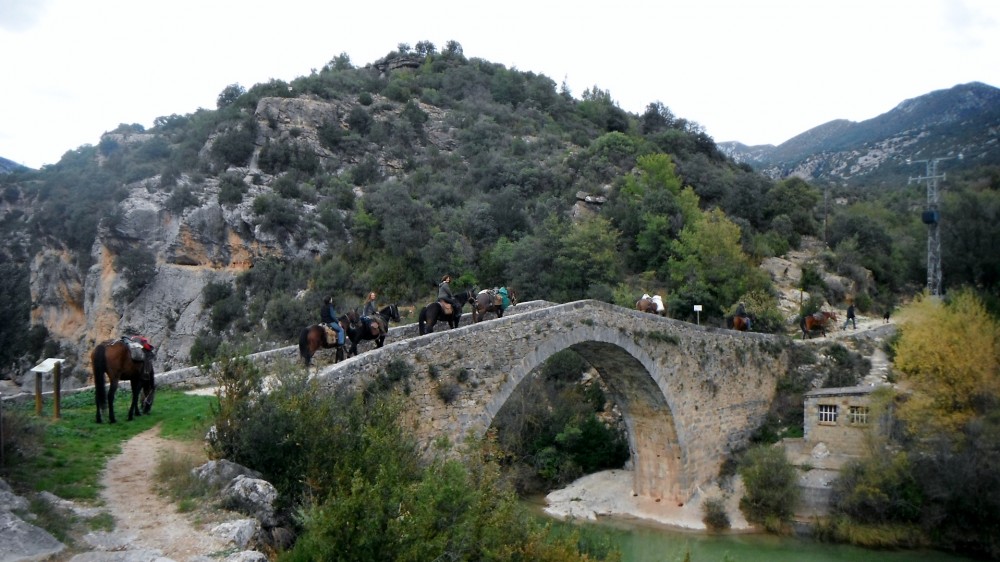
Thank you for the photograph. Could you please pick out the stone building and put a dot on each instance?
(835, 431)
(838, 418)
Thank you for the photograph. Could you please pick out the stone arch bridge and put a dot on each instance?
(689, 395)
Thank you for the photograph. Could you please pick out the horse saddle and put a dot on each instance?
(494, 297)
(329, 333)
(446, 307)
(137, 347)
(373, 323)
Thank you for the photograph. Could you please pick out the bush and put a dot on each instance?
(138, 267)
(231, 189)
(235, 146)
(714, 514)
(181, 199)
(771, 488)
(21, 436)
(204, 348)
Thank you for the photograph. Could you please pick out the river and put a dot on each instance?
(657, 532)
(640, 542)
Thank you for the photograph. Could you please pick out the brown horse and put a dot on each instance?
(314, 338)
(818, 321)
(490, 301)
(738, 323)
(115, 358)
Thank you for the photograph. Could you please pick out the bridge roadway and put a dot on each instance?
(689, 395)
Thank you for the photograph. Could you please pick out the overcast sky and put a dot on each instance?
(759, 71)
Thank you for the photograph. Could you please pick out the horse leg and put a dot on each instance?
(100, 397)
(112, 391)
(133, 409)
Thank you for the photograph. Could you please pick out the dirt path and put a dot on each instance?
(139, 510)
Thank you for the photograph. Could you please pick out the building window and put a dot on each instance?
(827, 413)
(858, 415)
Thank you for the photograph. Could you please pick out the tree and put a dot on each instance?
(950, 356)
(587, 258)
(710, 268)
(229, 95)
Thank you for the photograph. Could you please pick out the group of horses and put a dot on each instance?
(314, 337)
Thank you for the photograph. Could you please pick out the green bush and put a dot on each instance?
(772, 490)
(21, 436)
(231, 189)
(204, 348)
(181, 199)
(714, 514)
(236, 145)
(138, 267)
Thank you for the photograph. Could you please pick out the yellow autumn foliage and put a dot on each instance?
(949, 354)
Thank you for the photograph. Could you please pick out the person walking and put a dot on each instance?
(850, 318)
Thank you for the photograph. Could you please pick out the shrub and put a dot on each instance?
(714, 514)
(231, 189)
(236, 145)
(771, 488)
(204, 348)
(21, 436)
(181, 199)
(225, 311)
(138, 267)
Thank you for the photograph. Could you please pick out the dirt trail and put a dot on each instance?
(139, 510)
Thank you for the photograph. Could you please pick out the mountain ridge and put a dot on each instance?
(962, 119)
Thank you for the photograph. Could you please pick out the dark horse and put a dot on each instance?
(115, 358)
(490, 301)
(430, 314)
(313, 338)
(376, 328)
(817, 321)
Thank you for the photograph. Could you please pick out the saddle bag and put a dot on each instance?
(136, 351)
(330, 334)
(446, 307)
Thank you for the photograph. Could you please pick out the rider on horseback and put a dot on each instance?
(741, 311)
(328, 316)
(445, 294)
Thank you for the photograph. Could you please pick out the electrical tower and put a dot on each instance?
(932, 218)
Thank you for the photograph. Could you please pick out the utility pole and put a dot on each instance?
(932, 218)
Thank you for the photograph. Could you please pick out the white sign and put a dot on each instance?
(46, 366)
(697, 308)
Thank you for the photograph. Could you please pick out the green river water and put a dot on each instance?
(642, 542)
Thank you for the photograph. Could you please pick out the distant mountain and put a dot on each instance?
(964, 119)
(8, 166)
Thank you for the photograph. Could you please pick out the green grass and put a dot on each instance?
(75, 448)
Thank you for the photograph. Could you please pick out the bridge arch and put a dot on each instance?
(628, 371)
(689, 395)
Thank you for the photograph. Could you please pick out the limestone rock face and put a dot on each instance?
(191, 239)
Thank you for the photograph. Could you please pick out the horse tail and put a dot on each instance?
(422, 319)
(100, 365)
(304, 345)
